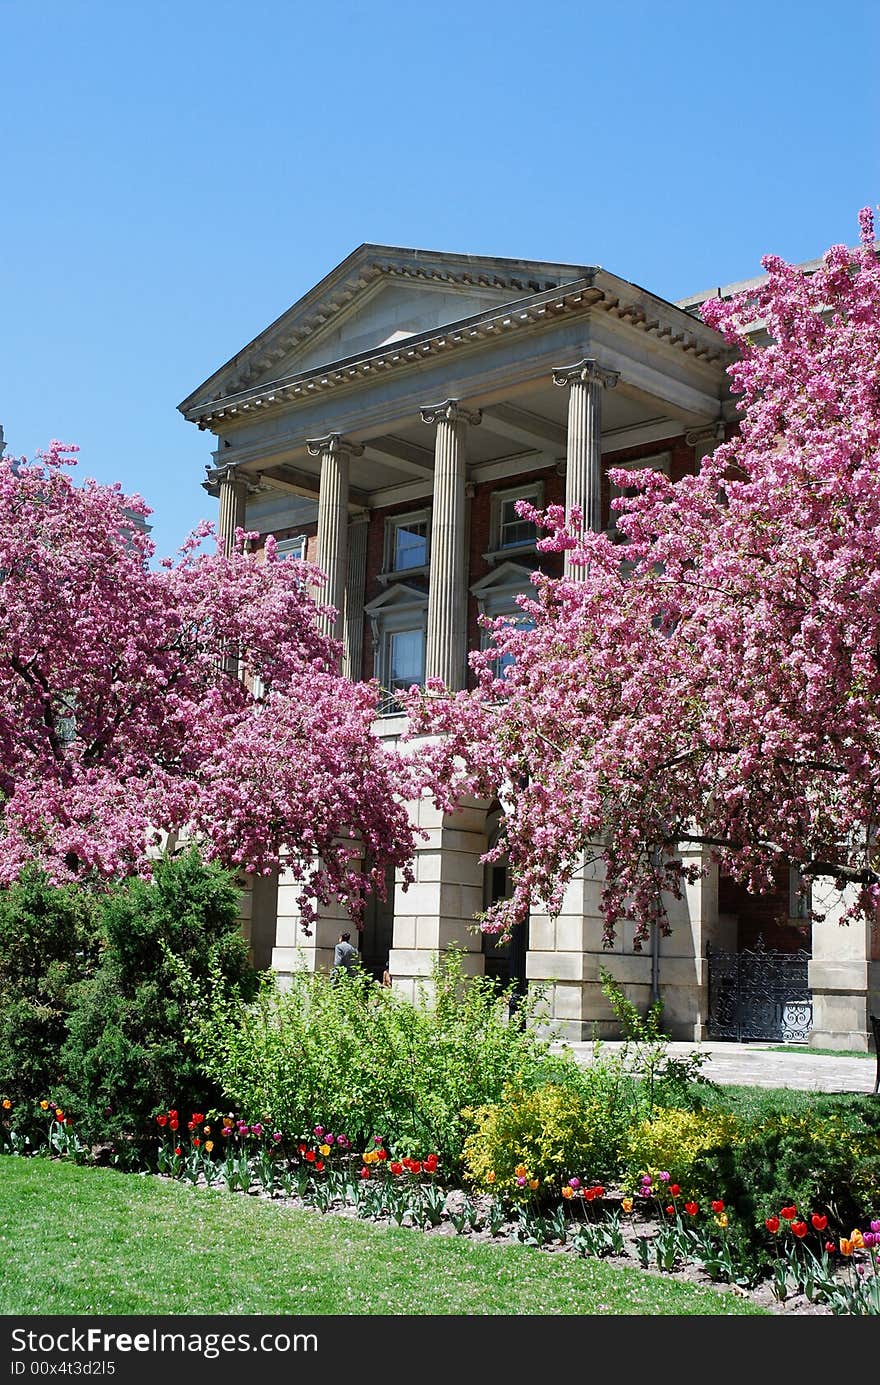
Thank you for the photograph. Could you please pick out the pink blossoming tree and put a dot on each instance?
(122, 712)
(722, 686)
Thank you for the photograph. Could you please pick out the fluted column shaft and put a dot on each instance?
(335, 453)
(583, 457)
(233, 498)
(446, 646)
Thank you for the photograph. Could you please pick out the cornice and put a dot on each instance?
(598, 292)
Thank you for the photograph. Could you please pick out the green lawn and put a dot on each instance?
(79, 1241)
(857, 1110)
(803, 1049)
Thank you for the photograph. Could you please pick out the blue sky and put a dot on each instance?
(174, 175)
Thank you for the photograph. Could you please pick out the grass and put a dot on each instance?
(807, 1049)
(93, 1241)
(857, 1110)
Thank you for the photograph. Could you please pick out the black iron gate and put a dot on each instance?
(757, 994)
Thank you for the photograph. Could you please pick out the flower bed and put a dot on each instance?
(815, 1265)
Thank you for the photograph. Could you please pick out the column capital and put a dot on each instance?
(333, 443)
(228, 473)
(452, 411)
(707, 434)
(588, 372)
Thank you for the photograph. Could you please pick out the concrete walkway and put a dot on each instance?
(754, 1065)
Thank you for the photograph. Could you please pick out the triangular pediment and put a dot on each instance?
(507, 577)
(400, 597)
(378, 296)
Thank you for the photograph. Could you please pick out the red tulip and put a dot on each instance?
(718, 1205)
(396, 1169)
(830, 1247)
(319, 1164)
(163, 1120)
(311, 1156)
(799, 1228)
(692, 1208)
(819, 1223)
(772, 1224)
(675, 1190)
(365, 1172)
(788, 1212)
(670, 1211)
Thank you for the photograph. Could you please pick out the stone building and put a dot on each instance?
(384, 426)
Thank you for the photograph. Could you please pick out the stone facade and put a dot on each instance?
(385, 425)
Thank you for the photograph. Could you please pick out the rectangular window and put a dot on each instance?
(406, 658)
(508, 532)
(513, 531)
(407, 542)
(292, 548)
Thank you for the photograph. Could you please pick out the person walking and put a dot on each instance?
(345, 957)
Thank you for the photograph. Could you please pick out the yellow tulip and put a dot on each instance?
(846, 1247)
(324, 1150)
(209, 1145)
(45, 1105)
(857, 1239)
(721, 1220)
(567, 1192)
(627, 1204)
(7, 1104)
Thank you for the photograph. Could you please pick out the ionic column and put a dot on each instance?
(233, 498)
(583, 458)
(447, 586)
(335, 452)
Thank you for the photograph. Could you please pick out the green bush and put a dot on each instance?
(361, 1060)
(818, 1162)
(48, 943)
(126, 1054)
(544, 1136)
(680, 1143)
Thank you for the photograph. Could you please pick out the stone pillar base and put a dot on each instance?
(437, 911)
(838, 975)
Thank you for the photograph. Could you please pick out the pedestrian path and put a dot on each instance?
(756, 1065)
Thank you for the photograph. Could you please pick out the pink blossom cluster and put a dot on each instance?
(720, 688)
(124, 712)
